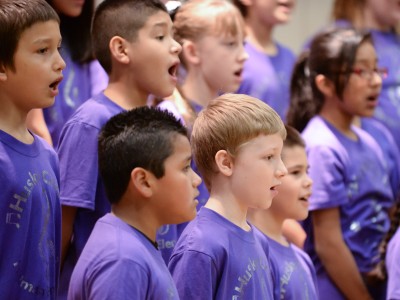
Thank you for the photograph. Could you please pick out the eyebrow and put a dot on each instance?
(45, 40)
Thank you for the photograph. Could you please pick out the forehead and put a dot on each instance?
(294, 155)
(262, 142)
(47, 31)
(365, 52)
(180, 147)
(160, 19)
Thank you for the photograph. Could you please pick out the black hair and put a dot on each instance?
(332, 53)
(122, 18)
(142, 137)
(75, 32)
(15, 17)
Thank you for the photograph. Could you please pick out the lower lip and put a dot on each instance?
(304, 203)
(54, 92)
(274, 193)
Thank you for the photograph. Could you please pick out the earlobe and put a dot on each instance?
(142, 182)
(118, 49)
(3, 74)
(325, 85)
(190, 52)
(224, 162)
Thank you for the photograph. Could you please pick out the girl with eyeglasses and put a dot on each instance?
(333, 84)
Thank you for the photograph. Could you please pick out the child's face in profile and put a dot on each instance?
(177, 189)
(258, 171)
(154, 57)
(360, 96)
(38, 66)
(292, 200)
(221, 59)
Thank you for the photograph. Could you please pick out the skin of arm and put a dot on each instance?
(294, 233)
(335, 256)
(35, 122)
(68, 217)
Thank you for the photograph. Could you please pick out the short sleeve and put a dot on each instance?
(122, 279)
(78, 165)
(194, 274)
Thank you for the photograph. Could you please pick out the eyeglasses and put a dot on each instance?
(367, 74)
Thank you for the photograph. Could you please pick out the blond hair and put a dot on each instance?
(196, 19)
(226, 123)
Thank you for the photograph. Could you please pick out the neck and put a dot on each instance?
(13, 121)
(124, 94)
(137, 216)
(268, 223)
(337, 118)
(260, 36)
(224, 202)
(196, 89)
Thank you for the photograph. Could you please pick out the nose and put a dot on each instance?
(60, 63)
(196, 180)
(281, 170)
(308, 182)
(176, 47)
(243, 56)
(376, 79)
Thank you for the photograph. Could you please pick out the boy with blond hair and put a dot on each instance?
(132, 40)
(218, 255)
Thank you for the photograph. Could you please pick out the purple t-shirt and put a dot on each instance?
(81, 82)
(352, 176)
(393, 267)
(387, 46)
(119, 262)
(388, 145)
(215, 259)
(296, 273)
(81, 185)
(268, 77)
(30, 234)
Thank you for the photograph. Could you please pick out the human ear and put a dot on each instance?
(3, 73)
(142, 181)
(118, 49)
(224, 162)
(190, 52)
(325, 85)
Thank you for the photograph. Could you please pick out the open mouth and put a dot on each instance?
(304, 199)
(239, 73)
(55, 83)
(372, 98)
(173, 69)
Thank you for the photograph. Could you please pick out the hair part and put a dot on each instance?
(15, 17)
(332, 53)
(226, 123)
(123, 18)
(139, 138)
